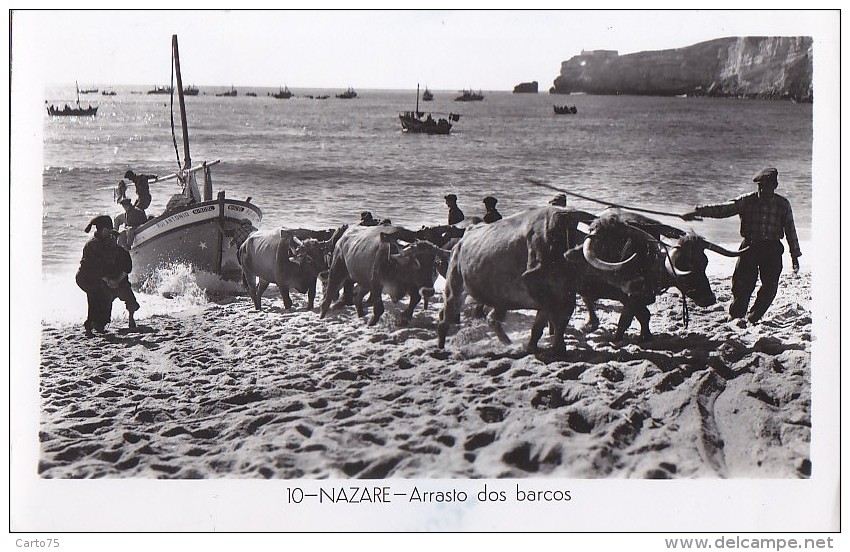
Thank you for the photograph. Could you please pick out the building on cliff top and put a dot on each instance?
(600, 53)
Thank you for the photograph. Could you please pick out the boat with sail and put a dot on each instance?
(418, 122)
(282, 93)
(71, 111)
(427, 96)
(197, 229)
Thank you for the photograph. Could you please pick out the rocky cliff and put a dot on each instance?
(752, 67)
(526, 88)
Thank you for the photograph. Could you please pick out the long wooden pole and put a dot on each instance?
(606, 203)
(176, 52)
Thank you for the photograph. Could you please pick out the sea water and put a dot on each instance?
(319, 163)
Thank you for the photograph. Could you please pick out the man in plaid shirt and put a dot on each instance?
(765, 218)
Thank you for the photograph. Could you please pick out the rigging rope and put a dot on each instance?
(606, 203)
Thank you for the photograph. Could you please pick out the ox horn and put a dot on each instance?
(671, 268)
(722, 250)
(599, 263)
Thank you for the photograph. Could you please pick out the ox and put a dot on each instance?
(624, 259)
(289, 258)
(516, 263)
(365, 255)
(444, 237)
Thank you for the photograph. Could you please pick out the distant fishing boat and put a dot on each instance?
(196, 229)
(108, 93)
(160, 90)
(90, 91)
(348, 94)
(282, 94)
(427, 96)
(565, 109)
(470, 96)
(71, 111)
(414, 123)
(252, 94)
(191, 91)
(229, 94)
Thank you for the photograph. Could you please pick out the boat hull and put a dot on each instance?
(413, 125)
(73, 112)
(198, 236)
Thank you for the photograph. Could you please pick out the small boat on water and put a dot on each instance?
(229, 94)
(191, 91)
(565, 109)
(416, 122)
(71, 111)
(469, 96)
(196, 229)
(282, 94)
(348, 94)
(160, 90)
(251, 94)
(427, 96)
(108, 93)
(90, 91)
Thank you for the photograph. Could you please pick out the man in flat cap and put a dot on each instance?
(560, 200)
(765, 218)
(492, 215)
(455, 214)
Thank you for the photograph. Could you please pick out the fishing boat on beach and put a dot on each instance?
(196, 229)
(282, 94)
(70, 111)
(417, 122)
(469, 96)
(565, 109)
(348, 94)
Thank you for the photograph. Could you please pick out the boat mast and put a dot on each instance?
(176, 53)
(417, 99)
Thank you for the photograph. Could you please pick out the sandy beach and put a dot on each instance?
(223, 391)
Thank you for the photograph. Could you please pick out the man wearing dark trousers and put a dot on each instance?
(765, 218)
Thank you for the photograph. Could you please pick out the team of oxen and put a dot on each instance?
(538, 260)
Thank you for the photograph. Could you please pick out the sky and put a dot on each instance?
(379, 49)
